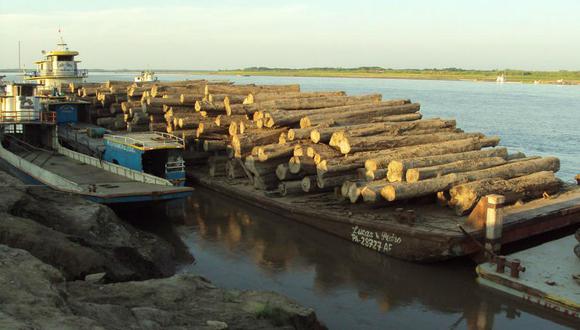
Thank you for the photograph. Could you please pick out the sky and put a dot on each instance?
(229, 34)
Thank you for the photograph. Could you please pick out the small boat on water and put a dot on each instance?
(146, 76)
(48, 139)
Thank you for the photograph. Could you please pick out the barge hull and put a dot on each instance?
(434, 237)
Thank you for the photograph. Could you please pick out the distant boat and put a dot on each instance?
(146, 76)
(501, 79)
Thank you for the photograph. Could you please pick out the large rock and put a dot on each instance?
(43, 300)
(29, 298)
(75, 229)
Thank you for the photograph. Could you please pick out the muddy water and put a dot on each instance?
(350, 287)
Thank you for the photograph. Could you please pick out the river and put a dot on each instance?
(350, 287)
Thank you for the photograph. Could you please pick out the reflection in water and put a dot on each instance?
(238, 246)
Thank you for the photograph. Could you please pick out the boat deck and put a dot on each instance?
(548, 279)
(435, 234)
(99, 184)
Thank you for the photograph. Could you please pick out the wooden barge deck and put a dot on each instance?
(434, 235)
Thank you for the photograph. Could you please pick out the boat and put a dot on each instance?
(501, 79)
(41, 134)
(131, 168)
(146, 76)
(59, 67)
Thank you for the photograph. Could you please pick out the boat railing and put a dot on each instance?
(176, 166)
(42, 175)
(27, 117)
(114, 168)
(79, 73)
(163, 139)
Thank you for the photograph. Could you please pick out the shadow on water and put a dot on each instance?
(350, 287)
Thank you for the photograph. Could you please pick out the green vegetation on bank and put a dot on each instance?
(566, 77)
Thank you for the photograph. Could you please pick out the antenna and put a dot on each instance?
(19, 66)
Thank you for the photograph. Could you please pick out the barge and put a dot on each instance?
(547, 276)
(419, 232)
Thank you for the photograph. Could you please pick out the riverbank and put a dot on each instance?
(70, 263)
(511, 76)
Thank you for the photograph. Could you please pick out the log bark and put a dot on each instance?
(283, 173)
(274, 151)
(388, 128)
(378, 142)
(432, 149)
(214, 145)
(464, 197)
(246, 89)
(190, 98)
(262, 97)
(398, 168)
(365, 111)
(466, 165)
(261, 168)
(290, 187)
(328, 183)
(244, 143)
(302, 165)
(401, 190)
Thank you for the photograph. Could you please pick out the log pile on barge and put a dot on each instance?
(381, 154)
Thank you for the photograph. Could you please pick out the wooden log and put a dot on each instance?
(376, 142)
(256, 167)
(309, 184)
(283, 173)
(275, 116)
(328, 183)
(262, 97)
(157, 127)
(466, 165)
(381, 173)
(401, 190)
(302, 164)
(369, 193)
(190, 120)
(320, 102)
(210, 107)
(246, 89)
(190, 98)
(305, 133)
(273, 151)
(290, 187)
(431, 149)
(389, 128)
(214, 145)
(227, 120)
(364, 111)
(398, 168)
(464, 197)
(244, 143)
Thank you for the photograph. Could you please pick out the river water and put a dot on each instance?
(350, 287)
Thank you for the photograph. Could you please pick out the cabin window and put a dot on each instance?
(26, 90)
(62, 58)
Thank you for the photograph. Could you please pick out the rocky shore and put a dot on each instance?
(66, 263)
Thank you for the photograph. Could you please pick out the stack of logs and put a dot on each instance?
(361, 148)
